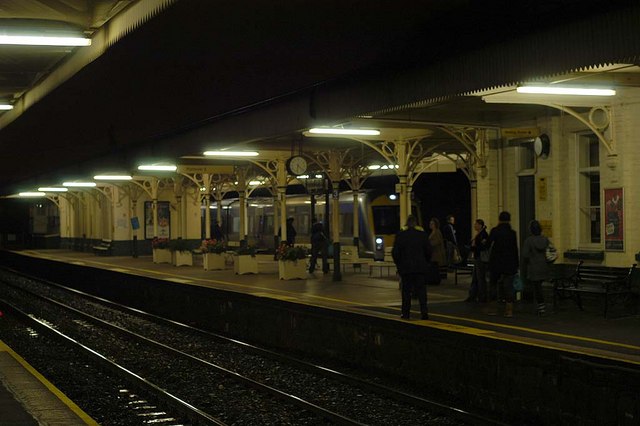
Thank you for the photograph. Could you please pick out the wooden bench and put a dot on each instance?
(103, 249)
(612, 283)
(464, 268)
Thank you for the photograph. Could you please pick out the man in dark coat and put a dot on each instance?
(412, 256)
(503, 264)
(318, 244)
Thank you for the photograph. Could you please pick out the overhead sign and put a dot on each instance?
(201, 168)
(520, 132)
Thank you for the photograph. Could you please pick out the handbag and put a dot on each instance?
(518, 285)
(484, 256)
(551, 253)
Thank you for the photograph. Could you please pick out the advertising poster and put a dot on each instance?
(614, 219)
(164, 219)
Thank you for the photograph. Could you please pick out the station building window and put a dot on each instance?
(589, 214)
(526, 159)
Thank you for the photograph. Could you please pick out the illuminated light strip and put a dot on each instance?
(79, 184)
(351, 132)
(44, 41)
(52, 189)
(231, 153)
(32, 194)
(6, 107)
(112, 177)
(158, 168)
(553, 90)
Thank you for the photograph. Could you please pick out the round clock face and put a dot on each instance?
(297, 165)
(541, 146)
(537, 146)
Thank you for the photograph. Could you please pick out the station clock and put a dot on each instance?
(297, 165)
(541, 146)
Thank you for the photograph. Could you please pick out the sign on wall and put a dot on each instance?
(164, 219)
(614, 219)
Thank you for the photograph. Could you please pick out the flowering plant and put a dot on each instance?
(212, 246)
(287, 252)
(160, 243)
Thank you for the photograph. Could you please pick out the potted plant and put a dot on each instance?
(213, 254)
(245, 260)
(160, 249)
(292, 263)
(181, 252)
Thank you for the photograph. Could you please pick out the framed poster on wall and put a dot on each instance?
(163, 220)
(614, 219)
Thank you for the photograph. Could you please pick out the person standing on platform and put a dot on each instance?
(412, 255)
(291, 232)
(503, 264)
(480, 250)
(534, 262)
(451, 241)
(318, 244)
(217, 232)
(438, 253)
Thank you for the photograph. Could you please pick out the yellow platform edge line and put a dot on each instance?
(546, 333)
(54, 390)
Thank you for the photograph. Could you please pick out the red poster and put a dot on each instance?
(614, 219)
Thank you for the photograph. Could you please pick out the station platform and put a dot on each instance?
(27, 398)
(565, 327)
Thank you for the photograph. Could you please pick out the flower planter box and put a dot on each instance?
(161, 256)
(290, 270)
(212, 261)
(245, 264)
(181, 258)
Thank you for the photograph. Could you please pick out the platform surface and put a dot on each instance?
(566, 328)
(27, 398)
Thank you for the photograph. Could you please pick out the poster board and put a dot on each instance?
(614, 219)
(163, 219)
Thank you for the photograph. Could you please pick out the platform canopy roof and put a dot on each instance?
(166, 79)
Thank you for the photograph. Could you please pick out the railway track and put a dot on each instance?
(322, 394)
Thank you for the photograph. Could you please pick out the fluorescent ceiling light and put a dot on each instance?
(44, 40)
(556, 90)
(112, 177)
(32, 194)
(158, 168)
(52, 189)
(6, 107)
(255, 183)
(350, 132)
(79, 184)
(231, 153)
(302, 177)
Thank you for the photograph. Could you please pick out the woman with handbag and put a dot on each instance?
(480, 250)
(535, 262)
